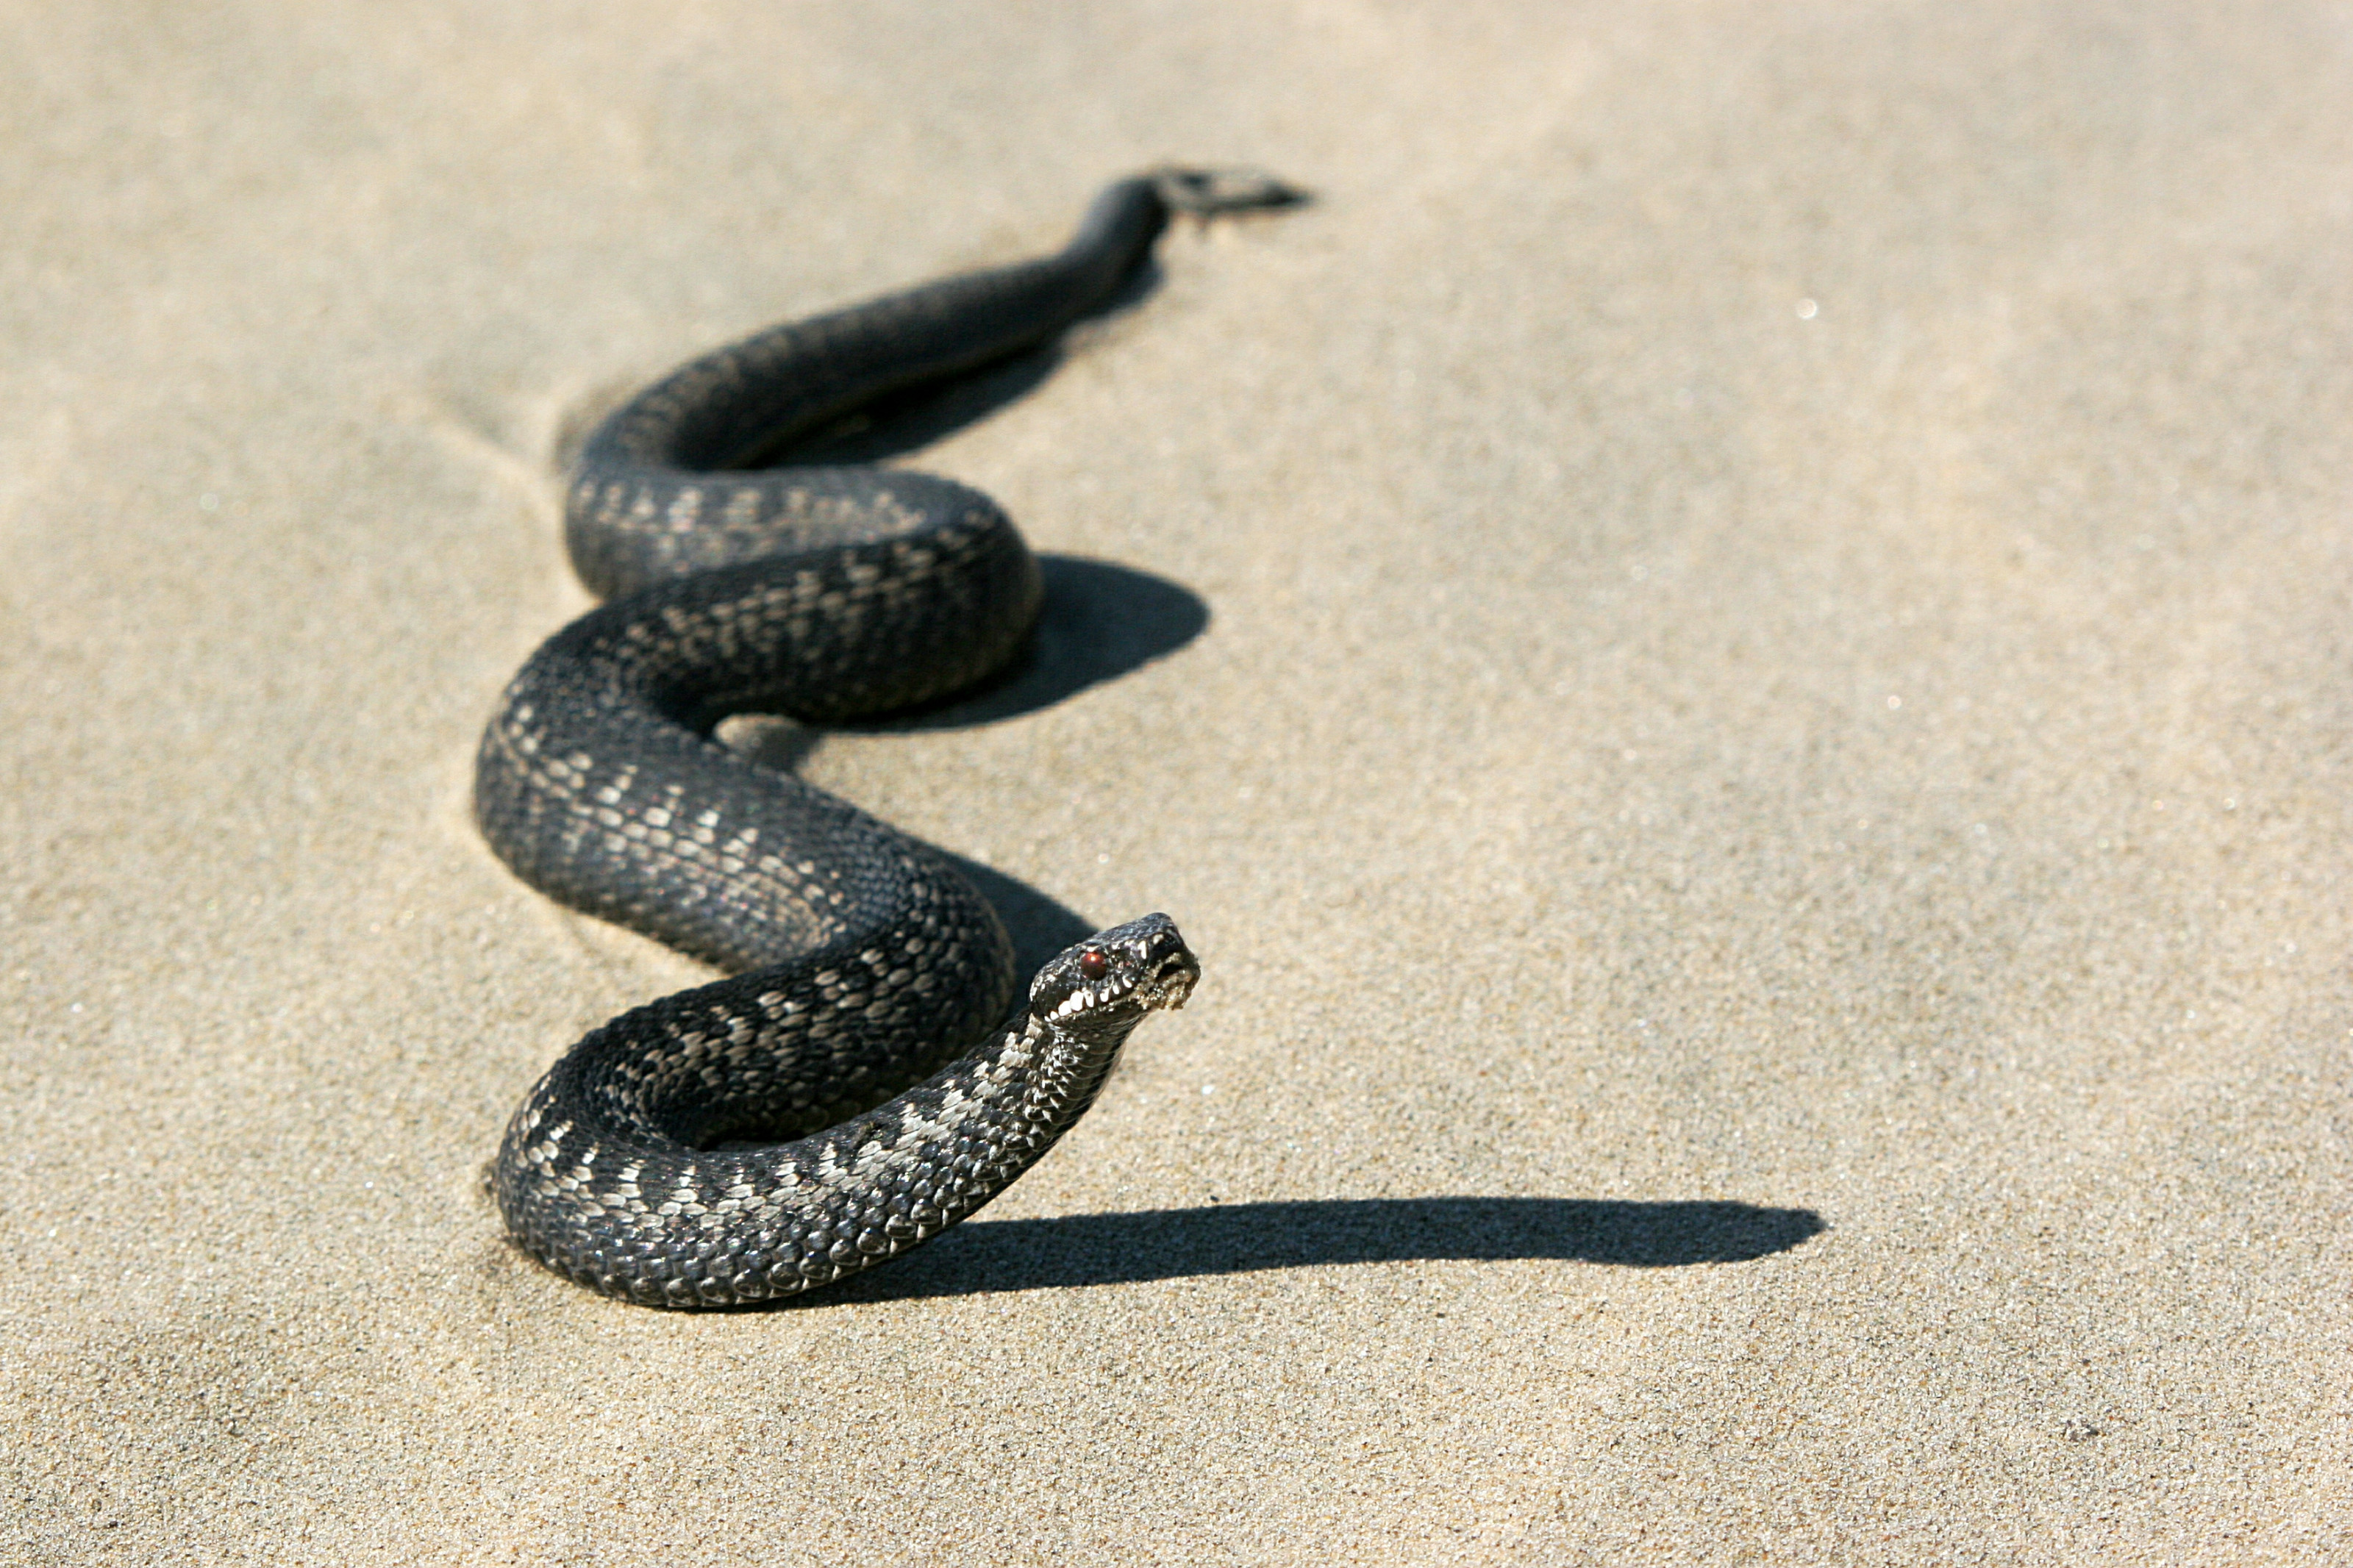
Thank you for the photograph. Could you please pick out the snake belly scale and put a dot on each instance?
(867, 1074)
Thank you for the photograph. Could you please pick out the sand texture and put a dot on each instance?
(1737, 653)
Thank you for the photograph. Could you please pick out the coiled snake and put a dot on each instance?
(724, 1145)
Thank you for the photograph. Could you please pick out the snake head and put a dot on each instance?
(1206, 192)
(1116, 976)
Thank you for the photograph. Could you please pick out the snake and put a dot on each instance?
(869, 1071)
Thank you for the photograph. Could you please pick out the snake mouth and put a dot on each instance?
(1171, 984)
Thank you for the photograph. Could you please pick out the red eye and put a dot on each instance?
(1094, 964)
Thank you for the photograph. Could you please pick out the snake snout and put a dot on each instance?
(1171, 982)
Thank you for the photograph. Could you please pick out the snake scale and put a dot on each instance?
(868, 1075)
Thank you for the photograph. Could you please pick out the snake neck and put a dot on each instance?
(1071, 1070)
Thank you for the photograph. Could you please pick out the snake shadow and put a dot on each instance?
(1100, 621)
(982, 1256)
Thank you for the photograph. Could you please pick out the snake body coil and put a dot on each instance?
(717, 1147)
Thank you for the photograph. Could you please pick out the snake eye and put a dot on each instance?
(1094, 964)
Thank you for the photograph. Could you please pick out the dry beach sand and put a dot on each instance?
(1734, 653)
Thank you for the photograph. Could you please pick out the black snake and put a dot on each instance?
(726, 1145)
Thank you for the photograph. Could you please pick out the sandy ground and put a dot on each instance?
(1735, 652)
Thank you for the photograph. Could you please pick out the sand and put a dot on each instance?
(1734, 653)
